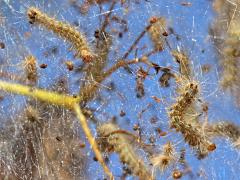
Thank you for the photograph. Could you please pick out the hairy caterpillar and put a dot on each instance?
(184, 63)
(31, 69)
(191, 130)
(157, 31)
(63, 30)
(225, 129)
(227, 46)
(117, 142)
(164, 159)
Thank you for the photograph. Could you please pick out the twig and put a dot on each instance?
(136, 41)
(134, 45)
(91, 140)
(120, 63)
(106, 20)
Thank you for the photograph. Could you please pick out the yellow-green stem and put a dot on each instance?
(40, 94)
(87, 131)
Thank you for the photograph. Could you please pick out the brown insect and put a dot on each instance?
(58, 138)
(165, 78)
(206, 68)
(69, 65)
(43, 66)
(158, 100)
(2, 45)
(153, 120)
(82, 145)
(31, 69)
(163, 133)
(153, 19)
(160, 132)
(97, 34)
(142, 73)
(122, 113)
(136, 127)
(32, 114)
(177, 174)
(165, 33)
(157, 31)
(165, 158)
(140, 87)
(211, 147)
(188, 4)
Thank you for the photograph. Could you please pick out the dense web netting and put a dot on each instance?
(157, 82)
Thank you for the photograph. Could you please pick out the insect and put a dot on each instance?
(186, 4)
(140, 87)
(32, 114)
(43, 66)
(157, 32)
(2, 45)
(58, 138)
(158, 100)
(31, 69)
(122, 113)
(69, 65)
(165, 158)
(113, 139)
(165, 78)
(177, 174)
(63, 30)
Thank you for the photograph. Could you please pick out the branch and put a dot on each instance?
(91, 140)
(136, 41)
(40, 94)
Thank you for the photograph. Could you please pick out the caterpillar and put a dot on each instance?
(184, 63)
(225, 129)
(165, 158)
(157, 31)
(63, 30)
(110, 141)
(30, 66)
(191, 130)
